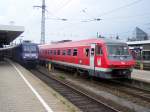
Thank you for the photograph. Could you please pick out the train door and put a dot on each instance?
(92, 57)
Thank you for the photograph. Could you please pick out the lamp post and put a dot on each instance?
(141, 52)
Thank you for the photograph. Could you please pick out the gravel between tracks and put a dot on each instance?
(115, 96)
(81, 99)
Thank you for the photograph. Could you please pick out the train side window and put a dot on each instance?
(58, 52)
(87, 52)
(69, 52)
(54, 52)
(64, 52)
(75, 52)
(92, 51)
(51, 52)
(99, 50)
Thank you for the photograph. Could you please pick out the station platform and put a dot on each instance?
(141, 75)
(21, 91)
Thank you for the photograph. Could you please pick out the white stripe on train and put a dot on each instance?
(82, 66)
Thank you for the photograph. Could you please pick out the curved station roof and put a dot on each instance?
(8, 33)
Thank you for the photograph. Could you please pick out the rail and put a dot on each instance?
(79, 98)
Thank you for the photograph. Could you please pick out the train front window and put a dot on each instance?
(29, 48)
(26, 49)
(117, 50)
(33, 48)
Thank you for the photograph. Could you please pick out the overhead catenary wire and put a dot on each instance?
(121, 7)
(71, 21)
(59, 9)
(128, 17)
(115, 10)
(98, 18)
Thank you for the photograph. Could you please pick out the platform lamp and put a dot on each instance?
(141, 64)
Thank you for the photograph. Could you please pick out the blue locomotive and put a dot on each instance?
(25, 53)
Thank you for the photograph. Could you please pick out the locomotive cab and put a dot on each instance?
(119, 59)
(113, 59)
(30, 52)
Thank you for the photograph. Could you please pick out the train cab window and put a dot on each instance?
(92, 51)
(33, 49)
(87, 52)
(64, 52)
(75, 52)
(99, 50)
(26, 49)
(69, 52)
(58, 52)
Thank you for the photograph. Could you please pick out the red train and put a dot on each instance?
(98, 57)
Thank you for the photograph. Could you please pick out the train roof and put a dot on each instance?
(11, 47)
(81, 43)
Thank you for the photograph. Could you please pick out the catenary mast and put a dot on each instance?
(42, 41)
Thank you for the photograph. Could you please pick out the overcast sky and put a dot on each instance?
(119, 17)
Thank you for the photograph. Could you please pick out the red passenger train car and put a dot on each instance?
(97, 57)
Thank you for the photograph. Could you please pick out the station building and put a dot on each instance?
(141, 53)
(139, 35)
(141, 49)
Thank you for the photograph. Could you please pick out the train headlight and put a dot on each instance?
(36, 56)
(123, 63)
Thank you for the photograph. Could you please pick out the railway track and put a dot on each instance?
(130, 87)
(82, 100)
(119, 86)
(131, 91)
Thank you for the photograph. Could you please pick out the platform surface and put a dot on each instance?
(142, 75)
(16, 95)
